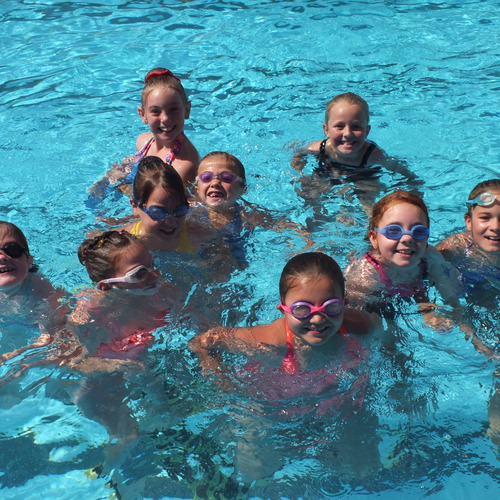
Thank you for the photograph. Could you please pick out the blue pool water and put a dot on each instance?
(259, 75)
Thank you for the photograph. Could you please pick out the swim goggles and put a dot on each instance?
(302, 310)
(226, 177)
(13, 250)
(395, 232)
(136, 275)
(484, 199)
(160, 213)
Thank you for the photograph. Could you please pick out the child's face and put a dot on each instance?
(484, 223)
(163, 229)
(132, 257)
(406, 251)
(216, 193)
(318, 328)
(347, 128)
(164, 112)
(13, 270)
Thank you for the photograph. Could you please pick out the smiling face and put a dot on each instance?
(216, 193)
(318, 328)
(347, 128)
(484, 223)
(406, 251)
(163, 229)
(164, 111)
(12, 270)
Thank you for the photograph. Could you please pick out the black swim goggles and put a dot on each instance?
(160, 213)
(395, 231)
(14, 250)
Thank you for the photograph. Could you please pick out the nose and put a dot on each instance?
(495, 224)
(347, 130)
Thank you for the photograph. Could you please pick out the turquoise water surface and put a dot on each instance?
(259, 75)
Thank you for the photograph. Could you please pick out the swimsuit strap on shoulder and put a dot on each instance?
(175, 149)
(290, 362)
(367, 154)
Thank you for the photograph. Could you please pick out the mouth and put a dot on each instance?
(405, 252)
(493, 239)
(166, 130)
(216, 195)
(5, 270)
(167, 231)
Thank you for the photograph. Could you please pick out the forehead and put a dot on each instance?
(404, 211)
(162, 196)
(163, 95)
(315, 282)
(6, 233)
(347, 111)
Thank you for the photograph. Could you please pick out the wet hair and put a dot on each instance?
(482, 187)
(21, 239)
(310, 265)
(162, 77)
(350, 98)
(392, 199)
(230, 159)
(99, 254)
(153, 172)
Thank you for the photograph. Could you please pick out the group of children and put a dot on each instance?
(181, 204)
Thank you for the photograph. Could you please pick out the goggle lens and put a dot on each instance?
(226, 177)
(395, 231)
(159, 213)
(484, 199)
(13, 250)
(302, 310)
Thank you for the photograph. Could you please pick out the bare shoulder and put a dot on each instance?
(142, 139)
(454, 244)
(314, 147)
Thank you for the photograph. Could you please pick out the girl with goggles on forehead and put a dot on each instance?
(159, 201)
(475, 253)
(401, 262)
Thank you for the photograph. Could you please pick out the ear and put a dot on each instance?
(368, 128)
(30, 261)
(468, 222)
(325, 128)
(372, 236)
(280, 309)
(135, 207)
(188, 110)
(103, 286)
(142, 115)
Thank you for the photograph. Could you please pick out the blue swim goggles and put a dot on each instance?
(160, 213)
(395, 232)
(484, 199)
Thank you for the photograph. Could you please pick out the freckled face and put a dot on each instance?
(12, 270)
(347, 129)
(216, 193)
(484, 223)
(407, 251)
(318, 328)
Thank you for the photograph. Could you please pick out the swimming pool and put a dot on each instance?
(259, 75)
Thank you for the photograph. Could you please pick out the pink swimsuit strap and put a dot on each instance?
(403, 290)
(171, 154)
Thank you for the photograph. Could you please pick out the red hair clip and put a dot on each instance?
(165, 72)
